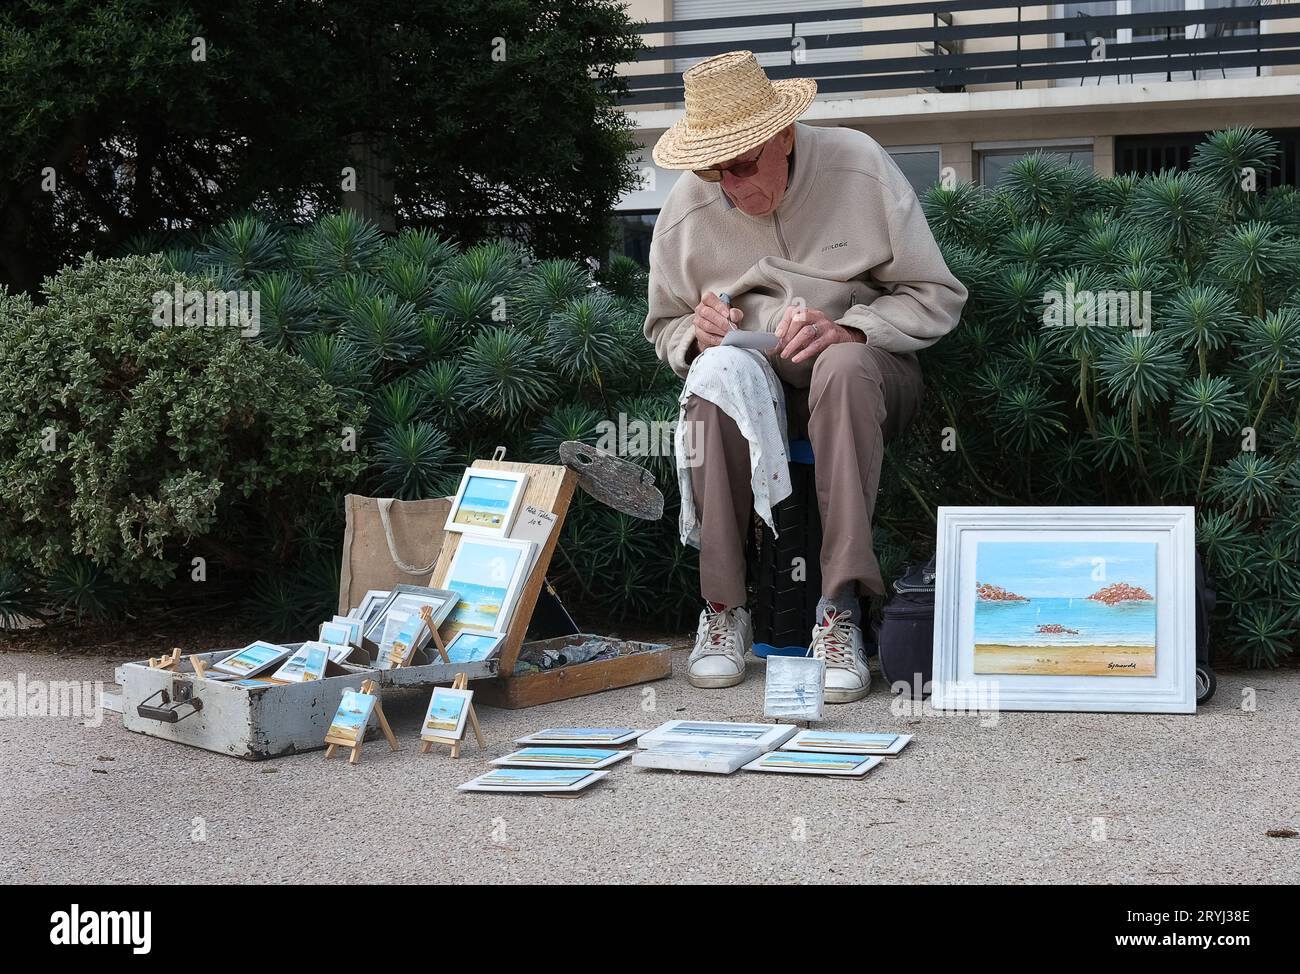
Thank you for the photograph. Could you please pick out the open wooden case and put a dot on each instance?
(550, 488)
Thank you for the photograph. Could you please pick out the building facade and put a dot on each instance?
(961, 89)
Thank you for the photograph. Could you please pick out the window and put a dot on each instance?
(919, 164)
(632, 232)
(994, 162)
(1128, 68)
(1146, 154)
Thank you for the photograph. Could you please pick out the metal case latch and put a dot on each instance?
(172, 707)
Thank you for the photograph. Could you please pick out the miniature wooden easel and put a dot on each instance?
(337, 742)
(461, 682)
(426, 745)
(165, 662)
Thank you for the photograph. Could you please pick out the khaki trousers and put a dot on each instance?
(848, 402)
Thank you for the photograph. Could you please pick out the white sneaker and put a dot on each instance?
(718, 659)
(839, 642)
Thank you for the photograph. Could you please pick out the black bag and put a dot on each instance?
(906, 633)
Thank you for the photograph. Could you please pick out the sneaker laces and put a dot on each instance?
(719, 626)
(834, 642)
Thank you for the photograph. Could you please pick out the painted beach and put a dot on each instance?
(479, 606)
(1072, 608)
(485, 502)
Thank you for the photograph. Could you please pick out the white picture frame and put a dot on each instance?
(573, 756)
(594, 736)
(708, 733)
(847, 742)
(824, 763)
(486, 502)
(1073, 673)
(538, 781)
(487, 575)
(336, 633)
(409, 599)
(257, 657)
(368, 608)
(710, 758)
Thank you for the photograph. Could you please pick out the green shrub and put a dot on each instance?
(453, 353)
(1204, 410)
(129, 449)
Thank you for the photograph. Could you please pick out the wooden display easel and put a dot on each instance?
(426, 743)
(337, 742)
(550, 488)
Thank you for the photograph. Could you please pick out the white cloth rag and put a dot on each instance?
(741, 383)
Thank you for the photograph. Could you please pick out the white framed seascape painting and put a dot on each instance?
(1065, 608)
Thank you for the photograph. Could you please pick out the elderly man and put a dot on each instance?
(814, 236)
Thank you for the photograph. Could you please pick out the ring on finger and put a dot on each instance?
(816, 333)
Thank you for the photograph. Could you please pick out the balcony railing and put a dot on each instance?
(948, 67)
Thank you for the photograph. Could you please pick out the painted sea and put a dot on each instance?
(479, 606)
(1095, 623)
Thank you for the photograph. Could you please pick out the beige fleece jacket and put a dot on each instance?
(849, 238)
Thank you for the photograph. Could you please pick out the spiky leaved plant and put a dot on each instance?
(1199, 405)
(450, 353)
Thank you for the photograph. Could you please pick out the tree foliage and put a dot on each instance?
(127, 449)
(126, 120)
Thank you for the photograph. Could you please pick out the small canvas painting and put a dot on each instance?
(445, 718)
(1065, 608)
(486, 574)
(795, 687)
(487, 502)
(354, 712)
(308, 663)
(353, 627)
(469, 647)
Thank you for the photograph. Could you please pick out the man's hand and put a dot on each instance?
(805, 333)
(713, 320)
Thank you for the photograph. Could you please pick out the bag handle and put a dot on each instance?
(384, 504)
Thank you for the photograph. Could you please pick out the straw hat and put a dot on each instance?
(731, 107)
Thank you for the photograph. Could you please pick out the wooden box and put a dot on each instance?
(637, 662)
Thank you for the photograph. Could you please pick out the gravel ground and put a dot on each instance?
(1058, 798)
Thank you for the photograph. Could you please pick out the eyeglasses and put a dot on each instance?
(741, 170)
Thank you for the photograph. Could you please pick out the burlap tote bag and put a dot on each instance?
(389, 542)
